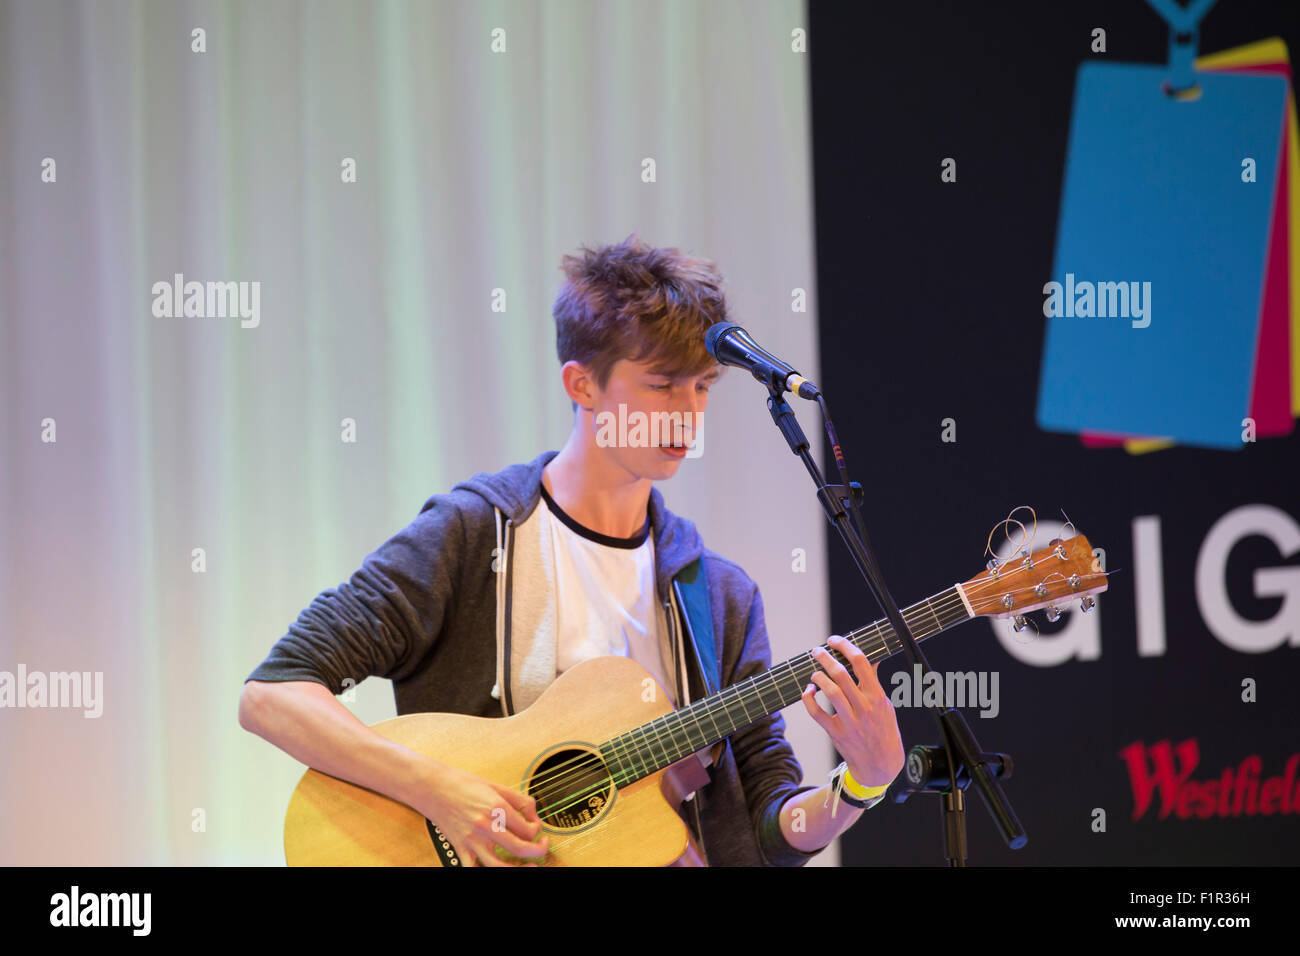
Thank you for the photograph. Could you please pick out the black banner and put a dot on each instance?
(1160, 727)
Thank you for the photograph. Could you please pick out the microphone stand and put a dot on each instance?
(956, 733)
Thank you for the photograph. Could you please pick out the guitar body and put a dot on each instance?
(549, 750)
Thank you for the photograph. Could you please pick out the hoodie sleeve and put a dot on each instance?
(769, 772)
(385, 618)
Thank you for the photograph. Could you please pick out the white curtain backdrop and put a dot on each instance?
(174, 490)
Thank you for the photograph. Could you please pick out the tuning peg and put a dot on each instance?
(1053, 613)
(1086, 603)
(1019, 623)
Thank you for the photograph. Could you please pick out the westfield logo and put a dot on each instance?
(1162, 774)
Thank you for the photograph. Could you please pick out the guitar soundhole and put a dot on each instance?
(571, 787)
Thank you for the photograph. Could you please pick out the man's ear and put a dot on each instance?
(578, 384)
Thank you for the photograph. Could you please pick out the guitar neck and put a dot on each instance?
(652, 747)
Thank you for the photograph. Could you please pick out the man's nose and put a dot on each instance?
(691, 409)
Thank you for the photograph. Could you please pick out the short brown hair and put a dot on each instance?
(632, 301)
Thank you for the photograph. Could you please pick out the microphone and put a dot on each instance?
(729, 344)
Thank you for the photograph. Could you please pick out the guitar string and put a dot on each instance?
(873, 639)
(651, 733)
(675, 726)
(630, 772)
(729, 697)
(725, 699)
(666, 732)
(680, 734)
(680, 738)
(627, 751)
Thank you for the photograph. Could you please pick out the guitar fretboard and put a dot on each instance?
(652, 747)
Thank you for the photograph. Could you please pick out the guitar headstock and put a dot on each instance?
(1064, 570)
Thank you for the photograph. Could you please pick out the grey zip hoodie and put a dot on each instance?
(432, 609)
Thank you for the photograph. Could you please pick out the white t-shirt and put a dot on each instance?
(606, 597)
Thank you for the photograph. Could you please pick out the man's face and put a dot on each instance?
(646, 419)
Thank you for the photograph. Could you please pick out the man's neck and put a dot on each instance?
(595, 492)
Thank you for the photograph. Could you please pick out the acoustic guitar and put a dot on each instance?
(593, 749)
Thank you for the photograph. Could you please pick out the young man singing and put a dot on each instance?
(508, 580)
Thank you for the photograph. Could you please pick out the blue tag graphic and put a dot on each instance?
(1153, 193)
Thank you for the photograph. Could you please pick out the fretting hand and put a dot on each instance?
(864, 727)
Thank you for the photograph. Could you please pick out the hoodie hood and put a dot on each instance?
(516, 490)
